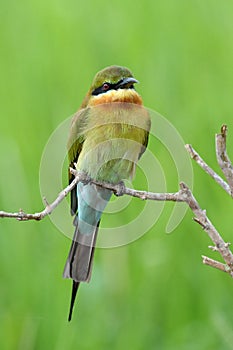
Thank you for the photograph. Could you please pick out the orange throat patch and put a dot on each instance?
(121, 95)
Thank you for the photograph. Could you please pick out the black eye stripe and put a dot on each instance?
(103, 88)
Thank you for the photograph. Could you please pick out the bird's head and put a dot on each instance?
(110, 80)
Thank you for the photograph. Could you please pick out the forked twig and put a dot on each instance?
(226, 166)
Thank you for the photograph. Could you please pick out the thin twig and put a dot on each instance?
(22, 216)
(216, 264)
(201, 218)
(195, 156)
(222, 157)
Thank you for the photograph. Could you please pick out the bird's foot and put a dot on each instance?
(84, 177)
(120, 189)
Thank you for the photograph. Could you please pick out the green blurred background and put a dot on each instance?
(154, 293)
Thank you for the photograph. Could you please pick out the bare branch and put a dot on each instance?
(22, 216)
(120, 189)
(201, 218)
(194, 155)
(222, 157)
(216, 265)
(183, 195)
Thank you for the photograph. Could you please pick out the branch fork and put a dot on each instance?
(226, 166)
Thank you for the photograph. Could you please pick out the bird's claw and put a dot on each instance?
(120, 189)
(84, 178)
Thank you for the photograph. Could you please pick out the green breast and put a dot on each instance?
(115, 134)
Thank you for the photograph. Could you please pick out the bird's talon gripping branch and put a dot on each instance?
(84, 178)
(120, 189)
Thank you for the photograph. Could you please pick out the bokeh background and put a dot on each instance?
(154, 293)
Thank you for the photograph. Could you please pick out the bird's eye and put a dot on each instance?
(105, 86)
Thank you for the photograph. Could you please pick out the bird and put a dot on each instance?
(108, 135)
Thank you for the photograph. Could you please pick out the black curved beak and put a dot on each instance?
(126, 83)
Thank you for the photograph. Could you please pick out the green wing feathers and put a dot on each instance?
(74, 146)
